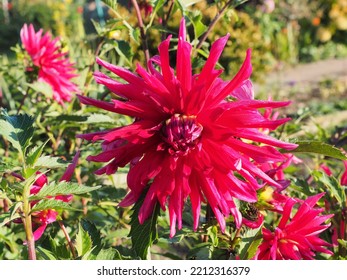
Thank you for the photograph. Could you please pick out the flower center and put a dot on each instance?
(181, 133)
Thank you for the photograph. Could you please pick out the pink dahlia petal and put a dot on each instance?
(192, 136)
(344, 175)
(243, 74)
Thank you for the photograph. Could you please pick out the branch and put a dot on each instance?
(142, 30)
(213, 23)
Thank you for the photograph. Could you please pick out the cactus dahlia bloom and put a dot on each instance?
(296, 238)
(191, 135)
(53, 66)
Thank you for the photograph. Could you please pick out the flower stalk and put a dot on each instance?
(28, 223)
(142, 30)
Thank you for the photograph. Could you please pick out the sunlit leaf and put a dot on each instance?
(51, 204)
(317, 147)
(62, 188)
(50, 162)
(83, 241)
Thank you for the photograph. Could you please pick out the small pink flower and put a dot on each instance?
(296, 238)
(53, 66)
(192, 134)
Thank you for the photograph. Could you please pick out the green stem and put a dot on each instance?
(68, 239)
(28, 223)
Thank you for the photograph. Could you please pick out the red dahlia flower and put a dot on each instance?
(296, 238)
(53, 66)
(191, 134)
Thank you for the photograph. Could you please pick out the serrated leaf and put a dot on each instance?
(99, 118)
(52, 204)
(35, 153)
(83, 242)
(109, 254)
(17, 129)
(332, 184)
(94, 234)
(317, 147)
(111, 3)
(50, 162)
(91, 119)
(7, 217)
(62, 188)
(45, 254)
(42, 87)
(250, 243)
(143, 236)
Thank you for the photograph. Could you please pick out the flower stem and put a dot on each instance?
(142, 30)
(28, 224)
(68, 239)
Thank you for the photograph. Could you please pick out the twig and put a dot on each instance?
(165, 19)
(142, 30)
(68, 239)
(213, 23)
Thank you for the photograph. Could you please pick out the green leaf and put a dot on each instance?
(52, 204)
(91, 119)
(35, 153)
(109, 254)
(158, 4)
(123, 48)
(143, 236)
(7, 217)
(4, 166)
(50, 162)
(188, 3)
(249, 243)
(111, 3)
(317, 147)
(94, 234)
(45, 254)
(83, 242)
(212, 232)
(17, 129)
(332, 184)
(199, 27)
(42, 87)
(62, 188)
